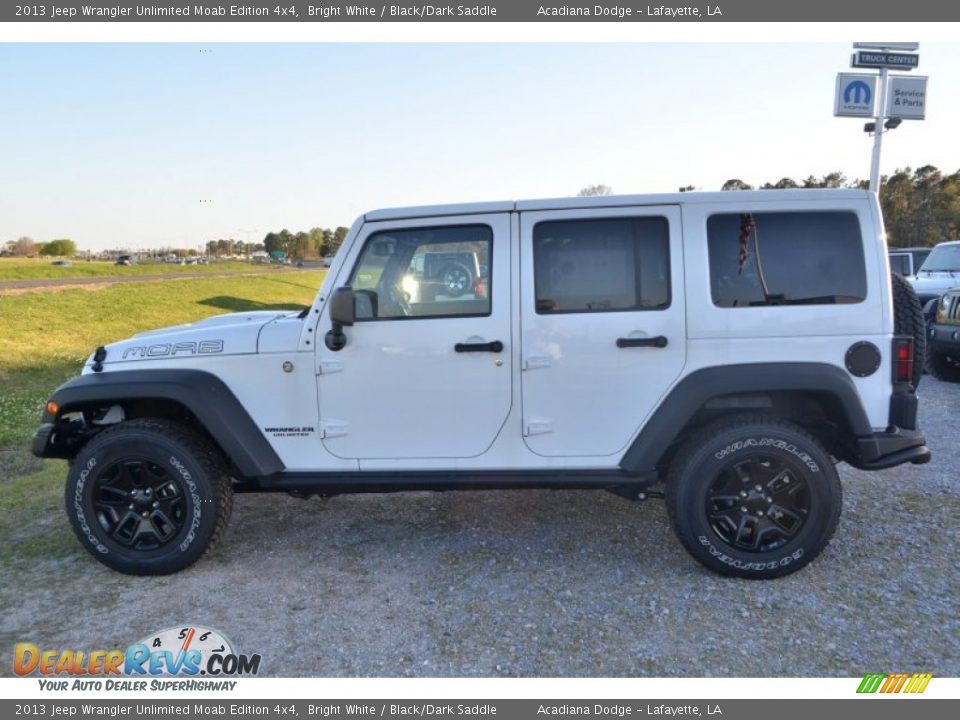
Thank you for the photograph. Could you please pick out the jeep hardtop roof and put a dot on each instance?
(570, 203)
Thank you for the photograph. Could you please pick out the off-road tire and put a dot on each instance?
(171, 450)
(460, 270)
(943, 366)
(908, 320)
(711, 455)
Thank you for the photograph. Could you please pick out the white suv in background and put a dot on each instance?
(940, 272)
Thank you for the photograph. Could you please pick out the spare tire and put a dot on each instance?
(908, 320)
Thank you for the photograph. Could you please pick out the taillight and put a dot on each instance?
(481, 288)
(903, 359)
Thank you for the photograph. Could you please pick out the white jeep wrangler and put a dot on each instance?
(731, 346)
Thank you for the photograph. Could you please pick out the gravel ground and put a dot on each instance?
(536, 583)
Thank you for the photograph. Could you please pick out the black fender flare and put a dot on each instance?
(692, 392)
(202, 393)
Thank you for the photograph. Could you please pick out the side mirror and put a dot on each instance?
(342, 313)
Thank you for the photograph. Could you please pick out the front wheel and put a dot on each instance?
(753, 497)
(148, 496)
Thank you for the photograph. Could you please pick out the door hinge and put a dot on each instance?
(534, 362)
(328, 367)
(333, 428)
(537, 426)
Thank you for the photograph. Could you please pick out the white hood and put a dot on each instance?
(233, 334)
(935, 282)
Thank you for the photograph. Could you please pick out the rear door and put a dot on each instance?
(603, 328)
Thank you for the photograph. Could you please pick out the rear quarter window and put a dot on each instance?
(786, 258)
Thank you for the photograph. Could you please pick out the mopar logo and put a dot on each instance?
(204, 347)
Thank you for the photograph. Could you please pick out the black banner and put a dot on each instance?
(875, 709)
(510, 11)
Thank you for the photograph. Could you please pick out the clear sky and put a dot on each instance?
(117, 145)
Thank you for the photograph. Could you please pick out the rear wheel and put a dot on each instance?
(148, 496)
(753, 497)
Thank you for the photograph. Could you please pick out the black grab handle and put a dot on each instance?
(659, 342)
(494, 347)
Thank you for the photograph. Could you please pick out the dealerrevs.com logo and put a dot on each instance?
(185, 651)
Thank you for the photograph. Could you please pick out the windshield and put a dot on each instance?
(944, 258)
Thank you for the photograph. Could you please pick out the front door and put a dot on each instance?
(426, 369)
(603, 331)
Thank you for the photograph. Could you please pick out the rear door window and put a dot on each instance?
(602, 265)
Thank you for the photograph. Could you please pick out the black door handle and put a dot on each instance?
(494, 347)
(659, 342)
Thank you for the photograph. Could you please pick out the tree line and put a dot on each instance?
(27, 247)
(921, 207)
(230, 248)
(314, 243)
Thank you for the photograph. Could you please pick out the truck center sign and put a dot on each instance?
(893, 61)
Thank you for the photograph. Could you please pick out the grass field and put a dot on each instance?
(47, 336)
(41, 269)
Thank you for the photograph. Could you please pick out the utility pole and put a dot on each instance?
(878, 133)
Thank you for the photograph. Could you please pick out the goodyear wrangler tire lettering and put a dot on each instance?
(148, 496)
(753, 496)
(82, 525)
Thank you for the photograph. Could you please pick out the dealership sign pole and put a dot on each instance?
(899, 98)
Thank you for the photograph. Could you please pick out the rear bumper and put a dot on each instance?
(891, 448)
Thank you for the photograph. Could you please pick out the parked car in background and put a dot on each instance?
(124, 260)
(451, 273)
(940, 272)
(943, 339)
(907, 261)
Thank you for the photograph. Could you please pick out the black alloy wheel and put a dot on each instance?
(148, 496)
(753, 496)
(758, 504)
(139, 504)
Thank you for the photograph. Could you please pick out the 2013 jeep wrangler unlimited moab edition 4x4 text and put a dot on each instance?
(732, 346)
